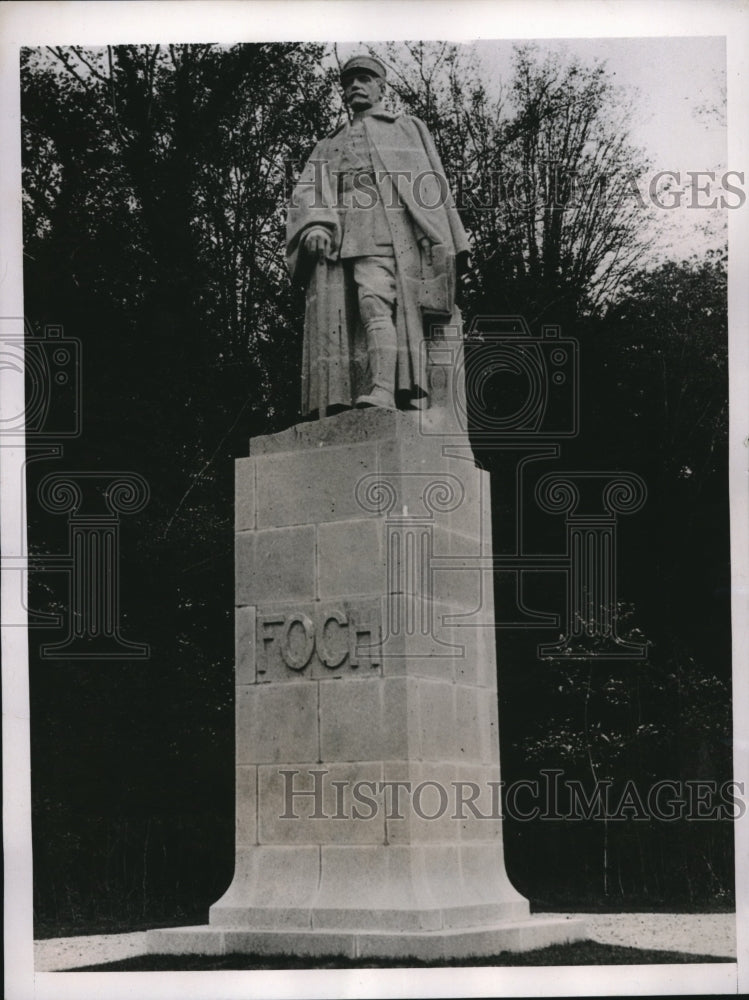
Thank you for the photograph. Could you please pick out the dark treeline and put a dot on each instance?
(155, 181)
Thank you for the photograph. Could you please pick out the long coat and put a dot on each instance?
(413, 187)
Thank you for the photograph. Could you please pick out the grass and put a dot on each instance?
(579, 953)
(582, 904)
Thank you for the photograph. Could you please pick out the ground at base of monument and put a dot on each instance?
(614, 938)
(458, 943)
(578, 953)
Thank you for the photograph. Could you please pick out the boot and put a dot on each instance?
(382, 349)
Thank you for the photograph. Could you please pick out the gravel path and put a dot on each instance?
(694, 933)
(56, 954)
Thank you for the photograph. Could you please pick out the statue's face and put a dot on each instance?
(362, 90)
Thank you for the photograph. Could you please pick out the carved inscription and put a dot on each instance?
(318, 639)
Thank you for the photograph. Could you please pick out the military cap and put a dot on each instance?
(363, 62)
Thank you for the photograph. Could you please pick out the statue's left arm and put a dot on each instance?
(461, 246)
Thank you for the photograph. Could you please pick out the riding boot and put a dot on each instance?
(381, 344)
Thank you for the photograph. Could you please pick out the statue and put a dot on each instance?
(333, 663)
(374, 236)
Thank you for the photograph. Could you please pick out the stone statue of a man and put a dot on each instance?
(374, 235)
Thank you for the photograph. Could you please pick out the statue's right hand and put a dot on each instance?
(317, 243)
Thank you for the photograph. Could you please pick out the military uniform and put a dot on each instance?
(364, 225)
(376, 229)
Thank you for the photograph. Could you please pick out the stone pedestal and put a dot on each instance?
(368, 803)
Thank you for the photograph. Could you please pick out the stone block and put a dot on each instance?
(469, 809)
(427, 810)
(246, 805)
(276, 723)
(244, 645)
(370, 719)
(485, 881)
(244, 494)
(446, 943)
(478, 802)
(440, 640)
(285, 876)
(541, 932)
(273, 886)
(444, 490)
(473, 516)
(349, 427)
(426, 650)
(370, 888)
(296, 943)
(470, 714)
(483, 914)
(265, 916)
(425, 561)
(312, 487)
(200, 940)
(475, 662)
(396, 918)
(351, 719)
(457, 578)
(337, 812)
(424, 947)
(439, 737)
(350, 558)
(409, 487)
(275, 565)
(489, 729)
(436, 871)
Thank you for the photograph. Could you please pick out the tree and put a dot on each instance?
(668, 336)
(663, 359)
(543, 172)
(155, 182)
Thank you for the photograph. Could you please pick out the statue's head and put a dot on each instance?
(363, 82)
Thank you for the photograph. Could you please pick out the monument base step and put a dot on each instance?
(465, 942)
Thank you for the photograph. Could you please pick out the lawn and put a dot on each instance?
(579, 953)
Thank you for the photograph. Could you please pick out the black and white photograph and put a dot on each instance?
(374, 444)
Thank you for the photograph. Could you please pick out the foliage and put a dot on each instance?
(155, 180)
(542, 174)
(654, 401)
(669, 337)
